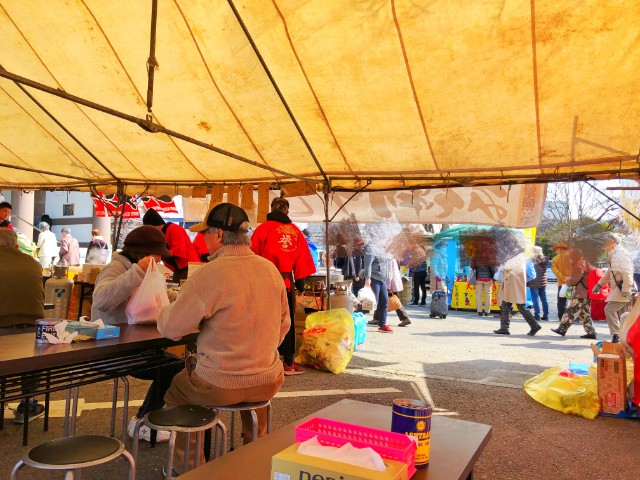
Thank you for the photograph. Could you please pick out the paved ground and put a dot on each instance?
(456, 363)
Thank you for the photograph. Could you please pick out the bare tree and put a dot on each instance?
(574, 207)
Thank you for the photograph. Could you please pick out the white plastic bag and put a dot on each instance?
(563, 291)
(367, 298)
(149, 298)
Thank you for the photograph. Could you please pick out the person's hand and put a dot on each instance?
(367, 283)
(143, 263)
(596, 289)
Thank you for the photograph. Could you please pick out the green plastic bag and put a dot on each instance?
(327, 340)
(575, 394)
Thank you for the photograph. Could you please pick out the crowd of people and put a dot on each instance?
(242, 298)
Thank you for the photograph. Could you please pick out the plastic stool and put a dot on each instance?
(179, 418)
(74, 453)
(239, 407)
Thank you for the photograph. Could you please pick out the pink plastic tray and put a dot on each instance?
(390, 445)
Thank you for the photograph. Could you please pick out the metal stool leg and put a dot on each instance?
(187, 452)
(254, 425)
(17, 467)
(172, 447)
(132, 464)
(125, 408)
(68, 475)
(269, 418)
(232, 433)
(114, 403)
(196, 459)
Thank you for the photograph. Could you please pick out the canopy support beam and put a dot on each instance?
(613, 201)
(146, 124)
(152, 63)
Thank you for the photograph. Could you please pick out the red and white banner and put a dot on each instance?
(107, 205)
(162, 204)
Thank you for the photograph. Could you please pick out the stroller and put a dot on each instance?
(438, 306)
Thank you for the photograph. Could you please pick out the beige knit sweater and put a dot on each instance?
(238, 302)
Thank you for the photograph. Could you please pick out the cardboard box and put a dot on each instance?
(291, 465)
(612, 383)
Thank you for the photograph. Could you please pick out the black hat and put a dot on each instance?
(146, 240)
(224, 216)
(152, 218)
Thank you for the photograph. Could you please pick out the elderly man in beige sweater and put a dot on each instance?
(238, 302)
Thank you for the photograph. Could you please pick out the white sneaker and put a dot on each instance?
(162, 436)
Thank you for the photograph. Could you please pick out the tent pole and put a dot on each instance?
(118, 222)
(326, 189)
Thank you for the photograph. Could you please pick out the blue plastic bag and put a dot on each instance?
(360, 326)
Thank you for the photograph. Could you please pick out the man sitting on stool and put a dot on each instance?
(238, 302)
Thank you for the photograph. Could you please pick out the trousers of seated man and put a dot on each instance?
(189, 389)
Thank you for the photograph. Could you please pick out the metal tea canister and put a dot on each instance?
(46, 325)
(413, 417)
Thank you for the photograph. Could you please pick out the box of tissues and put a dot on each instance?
(289, 464)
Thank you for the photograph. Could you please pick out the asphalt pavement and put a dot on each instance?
(444, 361)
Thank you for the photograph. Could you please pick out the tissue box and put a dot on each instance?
(90, 331)
(291, 465)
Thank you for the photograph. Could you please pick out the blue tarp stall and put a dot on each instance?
(452, 256)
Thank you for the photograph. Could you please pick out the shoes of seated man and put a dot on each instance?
(293, 369)
(615, 339)
(36, 410)
(174, 474)
(162, 436)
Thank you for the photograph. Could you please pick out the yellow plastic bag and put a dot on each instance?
(575, 394)
(327, 340)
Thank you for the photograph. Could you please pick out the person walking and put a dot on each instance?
(619, 276)
(282, 243)
(484, 284)
(358, 263)
(579, 305)
(47, 245)
(419, 284)
(375, 277)
(538, 286)
(561, 267)
(69, 248)
(242, 320)
(394, 286)
(98, 250)
(513, 288)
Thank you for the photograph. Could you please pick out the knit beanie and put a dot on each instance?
(152, 218)
(147, 241)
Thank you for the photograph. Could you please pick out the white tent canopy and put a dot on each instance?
(379, 94)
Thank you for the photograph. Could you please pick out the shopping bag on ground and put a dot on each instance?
(149, 298)
(327, 340)
(367, 299)
(394, 303)
(566, 392)
(360, 326)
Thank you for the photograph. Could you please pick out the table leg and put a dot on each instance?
(25, 425)
(1, 405)
(114, 402)
(47, 398)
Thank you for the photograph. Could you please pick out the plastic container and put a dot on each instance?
(58, 292)
(390, 445)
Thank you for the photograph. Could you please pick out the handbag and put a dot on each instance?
(394, 304)
(499, 275)
(150, 297)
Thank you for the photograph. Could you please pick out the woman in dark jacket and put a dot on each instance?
(484, 284)
(538, 286)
